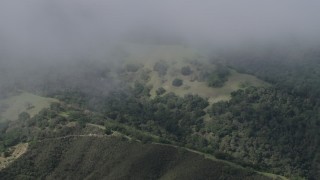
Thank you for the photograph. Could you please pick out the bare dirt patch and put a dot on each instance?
(13, 153)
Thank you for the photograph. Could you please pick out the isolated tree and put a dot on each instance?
(108, 130)
(160, 91)
(214, 81)
(177, 82)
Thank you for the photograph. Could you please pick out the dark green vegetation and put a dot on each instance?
(168, 116)
(115, 158)
(293, 69)
(218, 77)
(272, 129)
(267, 127)
(177, 82)
(47, 124)
(280, 124)
(59, 149)
(160, 91)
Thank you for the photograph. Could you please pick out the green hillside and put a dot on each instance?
(115, 158)
(170, 95)
(174, 58)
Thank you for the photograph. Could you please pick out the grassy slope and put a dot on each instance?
(177, 57)
(17, 104)
(201, 88)
(115, 158)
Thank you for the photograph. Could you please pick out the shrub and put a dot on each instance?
(223, 156)
(186, 70)
(215, 81)
(160, 91)
(177, 82)
(108, 130)
(218, 77)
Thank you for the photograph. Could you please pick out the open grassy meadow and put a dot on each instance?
(176, 57)
(23, 102)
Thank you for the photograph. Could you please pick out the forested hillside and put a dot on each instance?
(283, 119)
(268, 124)
(115, 158)
(93, 89)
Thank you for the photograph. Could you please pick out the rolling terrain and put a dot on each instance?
(115, 158)
(159, 90)
(88, 153)
(163, 99)
(174, 58)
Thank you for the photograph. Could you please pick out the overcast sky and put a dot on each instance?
(64, 28)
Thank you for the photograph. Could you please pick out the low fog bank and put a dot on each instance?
(49, 41)
(61, 30)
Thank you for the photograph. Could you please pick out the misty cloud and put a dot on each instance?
(80, 29)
